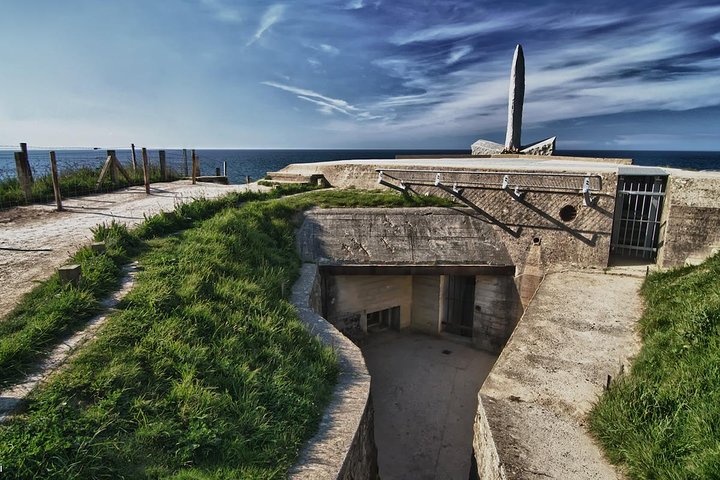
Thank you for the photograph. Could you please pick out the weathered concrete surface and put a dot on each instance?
(692, 219)
(415, 236)
(579, 328)
(533, 218)
(344, 446)
(543, 147)
(424, 403)
(486, 147)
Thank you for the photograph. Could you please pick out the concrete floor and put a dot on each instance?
(425, 403)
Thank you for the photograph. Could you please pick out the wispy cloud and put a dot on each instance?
(329, 49)
(355, 5)
(458, 53)
(271, 16)
(327, 105)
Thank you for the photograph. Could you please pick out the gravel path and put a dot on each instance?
(35, 240)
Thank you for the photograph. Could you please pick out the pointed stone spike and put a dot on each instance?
(515, 101)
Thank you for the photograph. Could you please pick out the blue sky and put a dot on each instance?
(357, 73)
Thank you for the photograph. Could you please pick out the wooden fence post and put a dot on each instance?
(24, 175)
(146, 170)
(26, 161)
(185, 163)
(134, 158)
(55, 181)
(163, 165)
(224, 169)
(194, 167)
(113, 167)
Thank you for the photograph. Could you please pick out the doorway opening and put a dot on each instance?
(460, 306)
(638, 208)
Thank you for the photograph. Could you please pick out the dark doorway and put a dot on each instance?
(638, 207)
(460, 305)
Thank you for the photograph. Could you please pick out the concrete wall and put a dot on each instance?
(692, 220)
(344, 446)
(518, 224)
(497, 310)
(346, 296)
(487, 460)
(426, 303)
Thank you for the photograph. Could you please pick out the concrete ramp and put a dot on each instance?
(531, 422)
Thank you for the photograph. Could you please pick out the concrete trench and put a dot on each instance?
(424, 392)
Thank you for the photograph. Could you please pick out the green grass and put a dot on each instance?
(73, 183)
(662, 420)
(52, 311)
(205, 372)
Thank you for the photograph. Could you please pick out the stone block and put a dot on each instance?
(70, 274)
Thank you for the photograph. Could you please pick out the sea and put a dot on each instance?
(256, 163)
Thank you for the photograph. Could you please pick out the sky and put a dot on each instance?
(642, 75)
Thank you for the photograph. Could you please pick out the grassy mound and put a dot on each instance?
(206, 371)
(662, 420)
(52, 311)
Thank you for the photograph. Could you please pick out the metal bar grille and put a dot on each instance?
(636, 228)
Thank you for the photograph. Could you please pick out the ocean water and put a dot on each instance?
(256, 163)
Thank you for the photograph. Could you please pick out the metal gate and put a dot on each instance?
(636, 229)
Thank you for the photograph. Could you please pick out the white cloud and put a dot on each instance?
(458, 53)
(355, 5)
(271, 16)
(329, 49)
(327, 105)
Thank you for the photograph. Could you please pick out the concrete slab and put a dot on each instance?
(580, 328)
(425, 401)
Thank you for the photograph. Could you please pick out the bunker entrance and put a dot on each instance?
(460, 305)
(638, 209)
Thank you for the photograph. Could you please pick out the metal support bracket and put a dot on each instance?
(588, 200)
(516, 193)
(401, 188)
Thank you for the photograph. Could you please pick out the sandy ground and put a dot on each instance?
(579, 328)
(424, 390)
(35, 240)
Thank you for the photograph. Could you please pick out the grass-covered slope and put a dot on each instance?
(52, 311)
(662, 420)
(206, 371)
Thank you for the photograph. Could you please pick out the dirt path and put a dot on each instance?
(35, 240)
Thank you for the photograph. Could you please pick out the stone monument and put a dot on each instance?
(516, 97)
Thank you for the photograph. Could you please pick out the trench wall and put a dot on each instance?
(344, 446)
(692, 220)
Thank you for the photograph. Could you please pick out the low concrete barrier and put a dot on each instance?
(344, 446)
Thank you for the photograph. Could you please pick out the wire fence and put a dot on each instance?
(79, 171)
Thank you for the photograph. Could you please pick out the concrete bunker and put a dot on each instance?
(431, 270)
